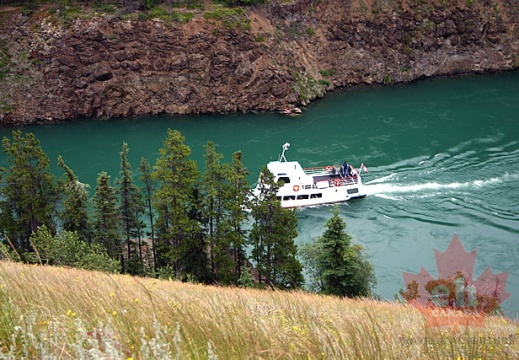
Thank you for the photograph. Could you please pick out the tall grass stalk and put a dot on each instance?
(49, 312)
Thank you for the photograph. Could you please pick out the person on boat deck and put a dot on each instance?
(346, 169)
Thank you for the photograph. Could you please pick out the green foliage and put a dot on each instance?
(239, 193)
(224, 192)
(168, 15)
(30, 8)
(131, 206)
(246, 280)
(214, 194)
(388, 80)
(66, 249)
(231, 18)
(232, 3)
(74, 212)
(178, 232)
(105, 7)
(308, 87)
(309, 253)
(107, 230)
(199, 224)
(336, 266)
(324, 82)
(272, 238)
(259, 38)
(147, 191)
(28, 190)
(326, 73)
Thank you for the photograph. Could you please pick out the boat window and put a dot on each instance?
(285, 179)
(353, 191)
(316, 196)
(302, 197)
(278, 197)
(289, 197)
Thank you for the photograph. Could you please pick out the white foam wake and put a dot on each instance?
(374, 188)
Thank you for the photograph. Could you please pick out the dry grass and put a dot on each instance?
(48, 312)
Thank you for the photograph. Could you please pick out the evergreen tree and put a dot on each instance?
(272, 237)
(106, 217)
(224, 192)
(214, 194)
(177, 228)
(340, 265)
(130, 207)
(28, 190)
(147, 191)
(236, 216)
(74, 214)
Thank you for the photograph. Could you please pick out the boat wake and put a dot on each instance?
(382, 188)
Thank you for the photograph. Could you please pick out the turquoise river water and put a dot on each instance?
(442, 154)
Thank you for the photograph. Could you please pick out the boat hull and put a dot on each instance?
(314, 196)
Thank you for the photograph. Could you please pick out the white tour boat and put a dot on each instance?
(314, 186)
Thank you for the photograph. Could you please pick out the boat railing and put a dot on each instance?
(321, 170)
(328, 170)
(343, 181)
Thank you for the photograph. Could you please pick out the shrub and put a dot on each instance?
(231, 18)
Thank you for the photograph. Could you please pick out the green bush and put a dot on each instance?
(66, 249)
(324, 82)
(231, 18)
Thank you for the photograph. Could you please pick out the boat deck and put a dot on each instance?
(335, 180)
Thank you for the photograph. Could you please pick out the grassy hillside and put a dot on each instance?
(48, 312)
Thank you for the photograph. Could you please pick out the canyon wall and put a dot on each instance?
(276, 57)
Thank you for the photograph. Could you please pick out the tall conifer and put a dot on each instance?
(177, 229)
(74, 214)
(215, 191)
(338, 266)
(239, 192)
(130, 208)
(106, 217)
(272, 238)
(148, 189)
(28, 190)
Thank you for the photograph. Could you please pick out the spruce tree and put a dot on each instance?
(74, 213)
(239, 193)
(177, 229)
(28, 190)
(214, 199)
(340, 265)
(106, 217)
(130, 209)
(272, 238)
(148, 189)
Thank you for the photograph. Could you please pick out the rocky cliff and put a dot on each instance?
(276, 57)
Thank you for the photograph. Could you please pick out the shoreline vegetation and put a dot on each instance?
(52, 312)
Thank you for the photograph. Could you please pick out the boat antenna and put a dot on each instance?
(285, 148)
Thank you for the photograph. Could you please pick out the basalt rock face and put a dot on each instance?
(291, 52)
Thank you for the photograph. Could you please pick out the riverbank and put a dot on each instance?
(275, 57)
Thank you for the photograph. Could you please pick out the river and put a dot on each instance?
(442, 154)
